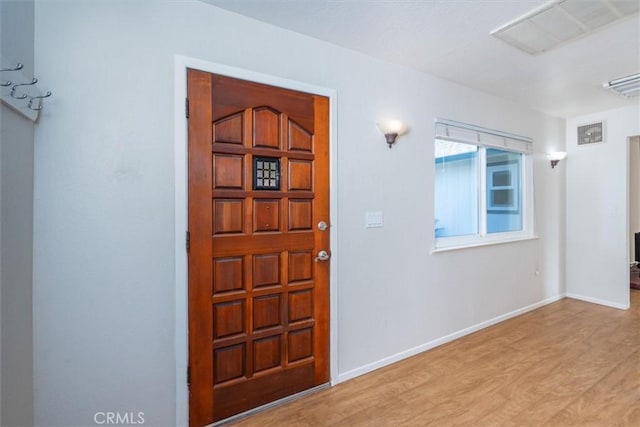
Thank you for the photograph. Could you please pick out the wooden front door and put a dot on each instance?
(258, 295)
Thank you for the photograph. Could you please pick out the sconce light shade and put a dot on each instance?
(555, 157)
(391, 129)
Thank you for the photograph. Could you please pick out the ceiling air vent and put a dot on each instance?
(559, 22)
(628, 86)
(591, 133)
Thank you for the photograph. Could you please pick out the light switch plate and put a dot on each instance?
(374, 219)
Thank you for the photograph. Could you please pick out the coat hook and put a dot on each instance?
(24, 95)
(9, 82)
(40, 107)
(17, 67)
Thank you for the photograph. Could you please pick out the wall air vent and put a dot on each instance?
(592, 133)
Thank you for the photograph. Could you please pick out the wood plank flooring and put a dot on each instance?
(570, 363)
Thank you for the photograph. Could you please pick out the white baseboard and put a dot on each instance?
(598, 301)
(439, 341)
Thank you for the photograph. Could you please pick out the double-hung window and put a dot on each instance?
(483, 186)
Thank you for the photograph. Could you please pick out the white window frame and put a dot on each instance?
(449, 130)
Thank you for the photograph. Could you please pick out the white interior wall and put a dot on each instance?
(634, 193)
(16, 226)
(104, 252)
(598, 209)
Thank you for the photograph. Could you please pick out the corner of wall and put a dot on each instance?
(597, 208)
(16, 229)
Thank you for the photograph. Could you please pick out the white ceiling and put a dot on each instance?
(450, 39)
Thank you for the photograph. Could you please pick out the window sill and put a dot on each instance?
(480, 243)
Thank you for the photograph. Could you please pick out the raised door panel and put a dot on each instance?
(300, 214)
(266, 312)
(228, 172)
(228, 216)
(299, 139)
(229, 363)
(300, 305)
(300, 175)
(300, 345)
(266, 270)
(228, 319)
(266, 128)
(229, 130)
(266, 215)
(267, 353)
(300, 266)
(228, 275)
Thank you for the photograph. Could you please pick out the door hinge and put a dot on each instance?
(186, 107)
(189, 376)
(188, 241)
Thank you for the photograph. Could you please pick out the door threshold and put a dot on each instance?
(271, 405)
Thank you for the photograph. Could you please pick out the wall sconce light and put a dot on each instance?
(555, 157)
(391, 129)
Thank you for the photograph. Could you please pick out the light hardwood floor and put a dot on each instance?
(570, 363)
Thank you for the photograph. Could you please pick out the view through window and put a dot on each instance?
(479, 182)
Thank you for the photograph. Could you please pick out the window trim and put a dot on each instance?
(450, 130)
(486, 138)
(495, 239)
